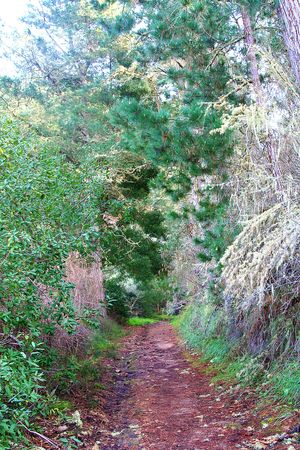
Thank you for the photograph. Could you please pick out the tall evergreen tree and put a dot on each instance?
(186, 45)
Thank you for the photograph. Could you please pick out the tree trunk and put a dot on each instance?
(270, 144)
(289, 11)
(251, 56)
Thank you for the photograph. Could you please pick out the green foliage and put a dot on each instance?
(141, 321)
(202, 328)
(146, 298)
(21, 383)
(174, 123)
(155, 295)
(43, 218)
(105, 340)
(82, 372)
(283, 381)
(118, 299)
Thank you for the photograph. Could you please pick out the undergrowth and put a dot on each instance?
(83, 371)
(80, 373)
(141, 321)
(280, 380)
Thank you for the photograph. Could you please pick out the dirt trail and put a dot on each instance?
(162, 401)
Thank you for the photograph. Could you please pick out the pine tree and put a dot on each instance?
(173, 120)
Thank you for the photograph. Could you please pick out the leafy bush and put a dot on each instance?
(118, 299)
(154, 296)
(42, 219)
(21, 383)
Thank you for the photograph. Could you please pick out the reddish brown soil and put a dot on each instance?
(160, 397)
(163, 401)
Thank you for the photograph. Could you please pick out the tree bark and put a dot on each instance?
(289, 11)
(251, 56)
(270, 144)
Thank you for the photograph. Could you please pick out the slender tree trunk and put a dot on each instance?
(289, 11)
(251, 56)
(270, 143)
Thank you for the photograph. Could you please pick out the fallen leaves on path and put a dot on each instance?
(172, 403)
(158, 396)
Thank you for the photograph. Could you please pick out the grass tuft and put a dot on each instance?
(142, 321)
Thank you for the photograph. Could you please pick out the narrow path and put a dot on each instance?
(163, 401)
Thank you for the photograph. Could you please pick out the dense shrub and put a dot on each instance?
(42, 218)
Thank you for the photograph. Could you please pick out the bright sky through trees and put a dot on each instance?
(11, 12)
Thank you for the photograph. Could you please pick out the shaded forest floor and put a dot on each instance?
(158, 396)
